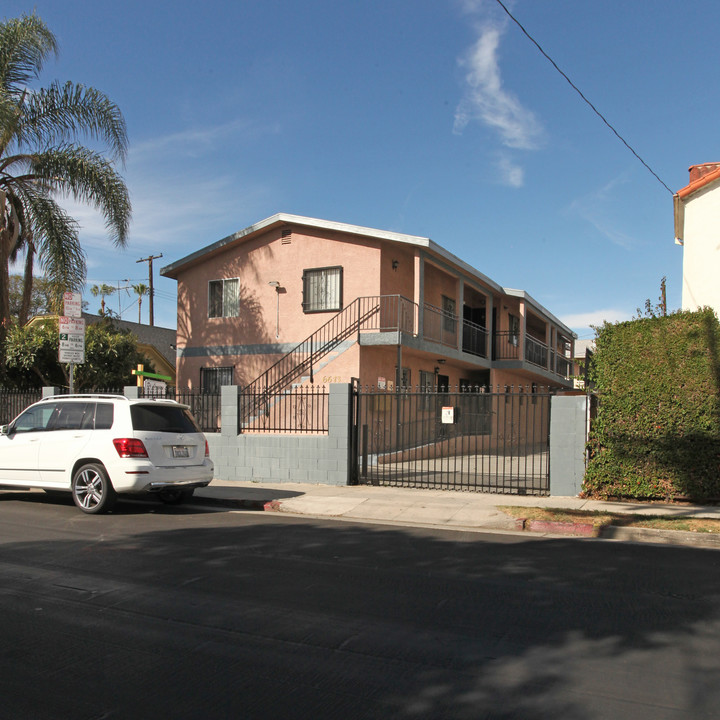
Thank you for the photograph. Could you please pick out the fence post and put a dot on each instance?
(230, 410)
(340, 427)
(568, 437)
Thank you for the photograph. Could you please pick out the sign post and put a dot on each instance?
(72, 334)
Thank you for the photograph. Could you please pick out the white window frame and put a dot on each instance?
(323, 289)
(226, 305)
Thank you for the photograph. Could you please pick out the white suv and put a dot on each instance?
(96, 446)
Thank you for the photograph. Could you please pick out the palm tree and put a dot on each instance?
(141, 289)
(103, 291)
(42, 158)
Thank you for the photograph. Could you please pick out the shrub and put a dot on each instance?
(657, 429)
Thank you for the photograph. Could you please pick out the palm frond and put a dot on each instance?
(25, 44)
(56, 237)
(90, 178)
(60, 114)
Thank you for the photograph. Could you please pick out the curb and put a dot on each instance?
(237, 504)
(625, 534)
(557, 528)
(607, 532)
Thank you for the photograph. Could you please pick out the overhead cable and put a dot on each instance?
(577, 90)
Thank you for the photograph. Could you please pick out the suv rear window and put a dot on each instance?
(163, 418)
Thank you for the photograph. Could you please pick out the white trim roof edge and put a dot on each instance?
(541, 308)
(280, 218)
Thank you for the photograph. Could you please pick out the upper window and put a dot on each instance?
(224, 298)
(322, 289)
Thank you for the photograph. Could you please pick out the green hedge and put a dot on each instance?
(657, 429)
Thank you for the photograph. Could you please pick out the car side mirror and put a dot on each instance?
(4, 429)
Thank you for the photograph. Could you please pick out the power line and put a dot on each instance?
(577, 90)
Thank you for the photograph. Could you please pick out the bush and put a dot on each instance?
(657, 430)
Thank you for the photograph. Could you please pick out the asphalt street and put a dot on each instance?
(190, 613)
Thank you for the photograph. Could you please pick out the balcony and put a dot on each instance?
(506, 346)
(536, 352)
(395, 313)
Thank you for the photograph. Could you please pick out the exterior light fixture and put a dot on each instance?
(276, 285)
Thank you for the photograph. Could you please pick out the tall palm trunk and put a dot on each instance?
(27, 282)
(4, 293)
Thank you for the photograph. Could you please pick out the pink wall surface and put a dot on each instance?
(256, 262)
(439, 283)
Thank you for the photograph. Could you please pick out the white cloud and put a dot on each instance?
(196, 142)
(487, 101)
(510, 173)
(600, 208)
(594, 318)
(176, 198)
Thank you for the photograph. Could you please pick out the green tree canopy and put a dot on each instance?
(42, 158)
(111, 355)
(40, 298)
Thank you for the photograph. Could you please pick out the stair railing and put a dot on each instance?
(382, 312)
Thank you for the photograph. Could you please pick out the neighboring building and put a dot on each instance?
(157, 344)
(582, 357)
(697, 229)
(379, 306)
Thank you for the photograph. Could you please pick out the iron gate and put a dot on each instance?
(481, 441)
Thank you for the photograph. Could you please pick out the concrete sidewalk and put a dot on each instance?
(450, 510)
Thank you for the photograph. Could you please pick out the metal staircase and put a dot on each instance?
(363, 313)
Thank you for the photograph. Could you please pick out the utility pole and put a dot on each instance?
(150, 283)
(125, 287)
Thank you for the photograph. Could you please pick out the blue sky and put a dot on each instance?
(436, 118)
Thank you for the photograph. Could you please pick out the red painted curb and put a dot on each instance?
(561, 528)
(271, 506)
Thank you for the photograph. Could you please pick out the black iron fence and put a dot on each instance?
(463, 440)
(302, 409)
(204, 406)
(13, 402)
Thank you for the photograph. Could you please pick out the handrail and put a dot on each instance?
(387, 309)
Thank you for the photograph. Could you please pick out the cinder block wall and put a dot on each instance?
(323, 459)
(326, 459)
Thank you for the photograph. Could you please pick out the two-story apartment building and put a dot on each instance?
(323, 302)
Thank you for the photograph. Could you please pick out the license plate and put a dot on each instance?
(180, 451)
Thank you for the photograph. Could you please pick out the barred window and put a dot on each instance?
(224, 298)
(213, 378)
(322, 289)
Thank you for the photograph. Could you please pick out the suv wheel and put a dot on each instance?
(92, 490)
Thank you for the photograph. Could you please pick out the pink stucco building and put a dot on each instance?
(326, 302)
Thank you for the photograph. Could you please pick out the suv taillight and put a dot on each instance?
(130, 447)
(207, 449)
